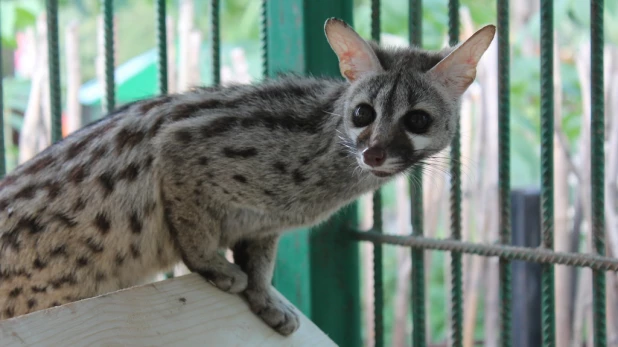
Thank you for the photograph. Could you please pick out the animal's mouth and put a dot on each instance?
(382, 174)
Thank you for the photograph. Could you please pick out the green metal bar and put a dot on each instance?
(504, 168)
(162, 45)
(416, 194)
(264, 37)
(216, 41)
(378, 284)
(547, 169)
(2, 153)
(54, 69)
(539, 255)
(108, 37)
(598, 167)
(456, 213)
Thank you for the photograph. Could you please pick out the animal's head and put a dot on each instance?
(402, 104)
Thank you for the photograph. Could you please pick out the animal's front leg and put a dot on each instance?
(257, 258)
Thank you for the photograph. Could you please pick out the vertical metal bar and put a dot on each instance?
(54, 69)
(264, 37)
(378, 292)
(2, 154)
(598, 166)
(215, 36)
(416, 194)
(547, 169)
(108, 38)
(456, 261)
(504, 167)
(378, 285)
(162, 45)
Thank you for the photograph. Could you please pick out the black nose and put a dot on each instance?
(374, 156)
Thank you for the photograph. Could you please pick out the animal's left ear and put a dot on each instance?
(458, 69)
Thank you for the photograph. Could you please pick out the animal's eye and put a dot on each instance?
(363, 115)
(417, 122)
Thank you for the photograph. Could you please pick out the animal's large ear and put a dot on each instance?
(356, 58)
(458, 69)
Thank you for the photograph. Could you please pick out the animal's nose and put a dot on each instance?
(374, 156)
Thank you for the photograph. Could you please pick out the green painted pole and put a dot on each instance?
(162, 45)
(547, 169)
(109, 103)
(54, 70)
(598, 168)
(415, 32)
(504, 168)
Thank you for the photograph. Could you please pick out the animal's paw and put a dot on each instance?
(273, 311)
(232, 280)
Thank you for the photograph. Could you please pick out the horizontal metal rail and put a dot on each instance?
(537, 255)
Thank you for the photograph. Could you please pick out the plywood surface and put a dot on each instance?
(184, 311)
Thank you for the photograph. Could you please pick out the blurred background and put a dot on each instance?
(26, 110)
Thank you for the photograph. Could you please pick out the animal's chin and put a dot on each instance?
(383, 174)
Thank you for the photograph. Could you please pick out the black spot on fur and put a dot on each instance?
(15, 292)
(268, 192)
(11, 239)
(240, 178)
(58, 251)
(65, 220)
(39, 164)
(98, 153)
(100, 277)
(279, 166)
(298, 177)
(107, 182)
(39, 264)
(130, 173)
(128, 139)
(38, 289)
(53, 189)
(79, 205)
(183, 136)
(9, 312)
(78, 174)
(31, 303)
(82, 261)
(65, 279)
(119, 259)
(135, 252)
(148, 162)
(30, 224)
(26, 192)
(203, 161)
(219, 126)
(94, 246)
(102, 222)
(154, 130)
(240, 152)
(135, 223)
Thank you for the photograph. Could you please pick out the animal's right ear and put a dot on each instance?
(356, 57)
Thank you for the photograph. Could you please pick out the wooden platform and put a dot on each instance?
(184, 311)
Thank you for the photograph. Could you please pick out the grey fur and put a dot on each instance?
(183, 176)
